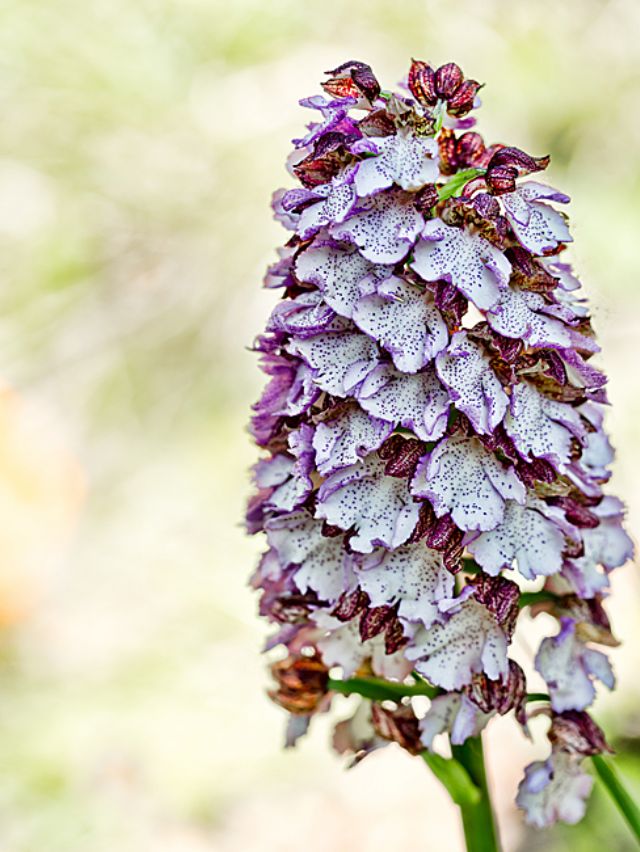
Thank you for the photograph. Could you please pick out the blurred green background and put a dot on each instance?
(139, 145)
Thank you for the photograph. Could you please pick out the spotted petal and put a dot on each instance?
(413, 575)
(417, 402)
(324, 565)
(384, 228)
(460, 476)
(467, 261)
(405, 321)
(538, 226)
(336, 201)
(469, 641)
(348, 437)
(304, 316)
(519, 314)
(338, 272)
(406, 160)
(378, 507)
(464, 368)
(340, 362)
(528, 535)
(541, 427)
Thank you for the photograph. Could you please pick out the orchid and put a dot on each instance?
(434, 452)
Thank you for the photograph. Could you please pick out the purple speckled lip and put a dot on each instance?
(431, 413)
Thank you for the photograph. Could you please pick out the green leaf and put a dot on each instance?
(454, 778)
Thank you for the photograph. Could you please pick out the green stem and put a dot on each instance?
(457, 183)
(480, 829)
(609, 777)
(378, 689)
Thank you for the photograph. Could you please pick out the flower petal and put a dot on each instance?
(406, 160)
(413, 575)
(468, 261)
(462, 477)
(554, 789)
(569, 667)
(541, 427)
(384, 228)
(338, 272)
(465, 369)
(340, 362)
(345, 439)
(405, 321)
(469, 641)
(378, 507)
(538, 226)
(526, 535)
(415, 401)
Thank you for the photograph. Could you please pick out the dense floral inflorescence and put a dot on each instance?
(432, 429)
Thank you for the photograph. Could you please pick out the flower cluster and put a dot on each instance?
(432, 427)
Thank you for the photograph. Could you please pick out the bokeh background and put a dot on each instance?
(139, 143)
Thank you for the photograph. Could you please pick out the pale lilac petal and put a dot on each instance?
(338, 272)
(406, 160)
(538, 226)
(413, 575)
(378, 507)
(462, 477)
(519, 314)
(324, 565)
(469, 641)
(454, 714)
(384, 229)
(415, 401)
(348, 437)
(465, 369)
(467, 261)
(337, 202)
(526, 536)
(541, 427)
(405, 321)
(304, 316)
(340, 362)
(569, 667)
(554, 789)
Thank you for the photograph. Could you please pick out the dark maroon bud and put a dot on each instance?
(500, 596)
(500, 442)
(422, 83)
(515, 158)
(426, 198)
(486, 205)
(527, 273)
(302, 684)
(352, 79)
(500, 696)
(426, 519)
(576, 514)
(314, 171)
(538, 470)
(402, 455)
(350, 604)
(394, 637)
(373, 621)
(501, 179)
(399, 726)
(377, 123)
(461, 102)
(574, 731)
(447, 151)
(448, 79)
(469, 149)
